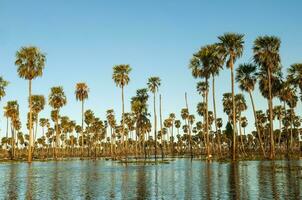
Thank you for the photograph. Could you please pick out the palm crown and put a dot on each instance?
(121, 75)
(30, 62)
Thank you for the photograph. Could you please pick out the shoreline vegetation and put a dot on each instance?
(136, 137)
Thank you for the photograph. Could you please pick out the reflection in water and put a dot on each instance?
(181, 179)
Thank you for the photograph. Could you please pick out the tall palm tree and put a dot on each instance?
(57, 100)
(200, 66)
(12, 112)
(295, 76)
(112, 123)
(121, 78)
(266, 55)
(240, 107)
(279, 113)
(38, 103)
(81, 93)
(232, 47)
(246, 77)
(30, 62)
(153, 85)
(3, 85)
(288, 95)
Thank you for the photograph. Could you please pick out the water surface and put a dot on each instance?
(181, 179)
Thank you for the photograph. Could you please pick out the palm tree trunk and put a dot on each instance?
(155, 126)
(240, 131)
(291, 131)
(123, 125)
(272, 152)
(207, 123)
(161, 128)
(256, 124)
(82, 147)
(57, 137)
(280, 131)
(234, 110)
(189, 127)
(6, 132)
(30, 125)
(215, 117)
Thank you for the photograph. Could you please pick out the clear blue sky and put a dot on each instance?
(83, 40)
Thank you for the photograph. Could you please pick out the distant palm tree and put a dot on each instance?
(288, 95)
(266, 55)
(232, 47)
(57, 100)
(202, 67)
(38, 103)
(81, 93)
(295, 76)
(112, 123)
(30, 62)
(246, 77)
(3, 85)
(153, 85)
(121, 78)
(12, 112)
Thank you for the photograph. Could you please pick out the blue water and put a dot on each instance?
(181, 179)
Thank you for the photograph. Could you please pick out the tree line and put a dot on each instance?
(198, 133)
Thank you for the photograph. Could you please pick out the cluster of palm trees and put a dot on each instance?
(135, 134)
(266, 68)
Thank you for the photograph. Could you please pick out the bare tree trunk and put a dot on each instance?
(234, 110)
(161, 127)
(215, 117)
(82, 147)
(30, 126)
(256, 124)
(272, 141)
(189, 127)
(155, 126)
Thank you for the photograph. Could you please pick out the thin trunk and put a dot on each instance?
(291, 130)
(240, 131)
(123, 124)
(256, 124)
(272, 152)
(234, 110)
(189, 128)
(82, 147)
(215, 117)
(30, 126)
(57, 136)
(6, 131)
(155, 126)
(161, 127)
(207, 123)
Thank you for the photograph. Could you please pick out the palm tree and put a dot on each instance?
(279, 113)
(57, 100)
(206, 62)
(44, 123)
(232, 47)
(240, 107)
(81, 93)
(247, 78)
(288, 95)
(121, 78)
(112, 123)
(30, 62)
(266, 56)
(38, 103)
(12, 112)
(153, 85)
(3, 85)
(295, 76)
